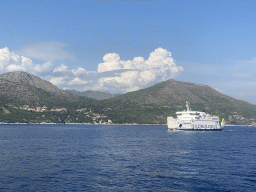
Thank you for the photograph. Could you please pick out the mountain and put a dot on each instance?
(99, 95)
(24, 88)
(151, 105)
(173, 92)
(170, 96)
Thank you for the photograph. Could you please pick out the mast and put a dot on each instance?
(187, 105)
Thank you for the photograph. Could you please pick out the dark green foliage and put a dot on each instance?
(146, 106)
(17, 115)
(170, 96)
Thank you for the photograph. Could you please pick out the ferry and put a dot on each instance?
(195, 121)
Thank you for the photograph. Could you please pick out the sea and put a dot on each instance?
(126, 158)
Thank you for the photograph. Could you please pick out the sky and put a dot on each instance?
(126, 45)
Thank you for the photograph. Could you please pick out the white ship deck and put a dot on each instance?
(194, 120)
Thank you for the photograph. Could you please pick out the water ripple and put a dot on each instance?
(125, 158)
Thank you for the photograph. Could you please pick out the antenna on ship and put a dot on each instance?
(187, 105)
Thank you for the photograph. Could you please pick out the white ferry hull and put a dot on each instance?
(195, 121)
(197, 126)
(200, 128)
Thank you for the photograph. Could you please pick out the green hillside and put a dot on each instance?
(33, 100)
(166, 98)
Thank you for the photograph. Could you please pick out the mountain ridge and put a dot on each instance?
(26, 88)
(146, 106)
(174, 94)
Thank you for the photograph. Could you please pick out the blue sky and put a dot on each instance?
(122, 45)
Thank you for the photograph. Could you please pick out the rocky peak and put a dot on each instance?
(27, 87)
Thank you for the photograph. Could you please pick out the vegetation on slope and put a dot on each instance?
(146, 106)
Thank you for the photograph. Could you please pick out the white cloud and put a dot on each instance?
(46, 51)
(62, 69)
(44, 68)
(146, 77)
(236, 78)
(10, 62)
(126, 81)
(111, 63)
(5, 57)
(59, 80)
(159, 66)
(13, 67)
(4, 54)
(77, 81)
(79, 71)
(114, 75)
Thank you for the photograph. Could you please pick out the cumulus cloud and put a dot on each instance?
(111, 62)
(137, 73)
(6, 57)
(77, 81)
(44, 68)
(113, 74)
(62, 69)
(79, 71)
(13, 67)
(125, 81)
(59, 80)
(9, 62)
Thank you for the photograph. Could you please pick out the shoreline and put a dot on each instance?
(2, 123)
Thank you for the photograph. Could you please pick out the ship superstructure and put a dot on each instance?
(194, 120)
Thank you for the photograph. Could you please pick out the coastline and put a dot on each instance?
(2, 123)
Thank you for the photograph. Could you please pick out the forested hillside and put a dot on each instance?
(29, 99)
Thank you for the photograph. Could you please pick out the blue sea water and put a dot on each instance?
(126, 158)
